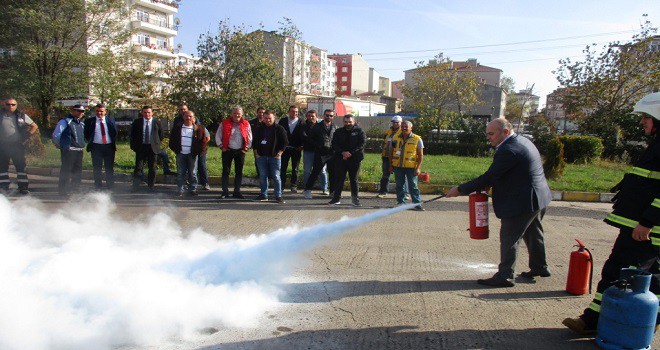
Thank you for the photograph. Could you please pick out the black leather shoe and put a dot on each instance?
(496, 282)
(532, 274)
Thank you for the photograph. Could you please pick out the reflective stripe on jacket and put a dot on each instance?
(638, 201)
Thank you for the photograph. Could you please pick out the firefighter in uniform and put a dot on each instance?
(406, 159)
(636, 214)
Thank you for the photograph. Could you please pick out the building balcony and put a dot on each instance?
(153, 49)
(153, 26)
(170, 7)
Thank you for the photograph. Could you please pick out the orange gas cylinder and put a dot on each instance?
(424, 177)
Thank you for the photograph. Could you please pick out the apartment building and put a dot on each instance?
(529, 101)
(354, 76)
(554, 110)
(307, 68)
(492, 98)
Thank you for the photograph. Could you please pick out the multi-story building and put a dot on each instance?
(492, 98)
(555, 111)
(384, 86)
(152, 22)
(307, 68)
(354, 76)
(529, 101)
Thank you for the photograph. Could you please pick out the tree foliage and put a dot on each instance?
(437, 88)
(232, 70)
(48, 45)
(602, 88)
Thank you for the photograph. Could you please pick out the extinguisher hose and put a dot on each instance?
(591, 270)
(435, 198)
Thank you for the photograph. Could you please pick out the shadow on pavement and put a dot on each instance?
(405, 337)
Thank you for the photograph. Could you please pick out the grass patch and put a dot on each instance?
(444, 169)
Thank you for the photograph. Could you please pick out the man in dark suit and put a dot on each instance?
(101, 134)
(146, 134)
(520, 196)
(293, 152)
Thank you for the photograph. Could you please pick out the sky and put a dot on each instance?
(525, 39)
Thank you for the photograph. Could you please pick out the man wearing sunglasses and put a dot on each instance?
(15, 128)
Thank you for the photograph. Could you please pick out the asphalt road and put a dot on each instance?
(407, 281)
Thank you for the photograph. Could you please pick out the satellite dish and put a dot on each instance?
(179, 46)
(177, 21)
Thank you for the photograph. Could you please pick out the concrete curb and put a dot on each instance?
(424, 188)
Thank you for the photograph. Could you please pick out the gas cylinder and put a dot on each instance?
(478, 215)
(424, 177)
(628, 312)
(580, 271)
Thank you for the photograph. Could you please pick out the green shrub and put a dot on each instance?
(457, 149)
(554, 163)
(581, 149)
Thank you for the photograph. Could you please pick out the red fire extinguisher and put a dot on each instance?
(580, 272)
(478, 215)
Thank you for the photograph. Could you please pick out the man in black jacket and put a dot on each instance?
(348, 145)
(293, 151)
(146, 133)
(270, 141)
(637, 216)
(321, 136)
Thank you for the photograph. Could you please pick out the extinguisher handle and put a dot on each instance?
(579, 242)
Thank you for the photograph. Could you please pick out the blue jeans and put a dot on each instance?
(385, 179)
(401, 176)
(308, 164)
(186, 166)
(202, 170)
(269, 168)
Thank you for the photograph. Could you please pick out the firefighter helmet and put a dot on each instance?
(649, 104)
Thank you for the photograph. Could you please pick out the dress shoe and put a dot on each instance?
(532, 274)
(496, 282)
(238, 196)
(578, 326)
(224, 196)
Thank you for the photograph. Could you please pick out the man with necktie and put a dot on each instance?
(146, 134)
(101, 133)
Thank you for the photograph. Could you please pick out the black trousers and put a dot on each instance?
(70, 171)
(341, 167)
(103, 157)
(144, 154)
(238, 157)
(319, 162)
(294, 155)
(16, 153)
(626, 252)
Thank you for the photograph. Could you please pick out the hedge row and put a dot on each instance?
(581, 149)
(458, 149)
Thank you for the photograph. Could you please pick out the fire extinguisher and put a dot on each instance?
(580, 270)
(478, 215)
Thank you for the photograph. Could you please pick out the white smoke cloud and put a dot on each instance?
(83, 278)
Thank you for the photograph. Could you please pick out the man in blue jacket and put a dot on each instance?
(101, 134)
(69, 137)
(520, 196)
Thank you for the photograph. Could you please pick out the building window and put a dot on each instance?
(344, 60)
(144, 39)
(344, 88)
(142, 15)
(344, 78)
(344, 69)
